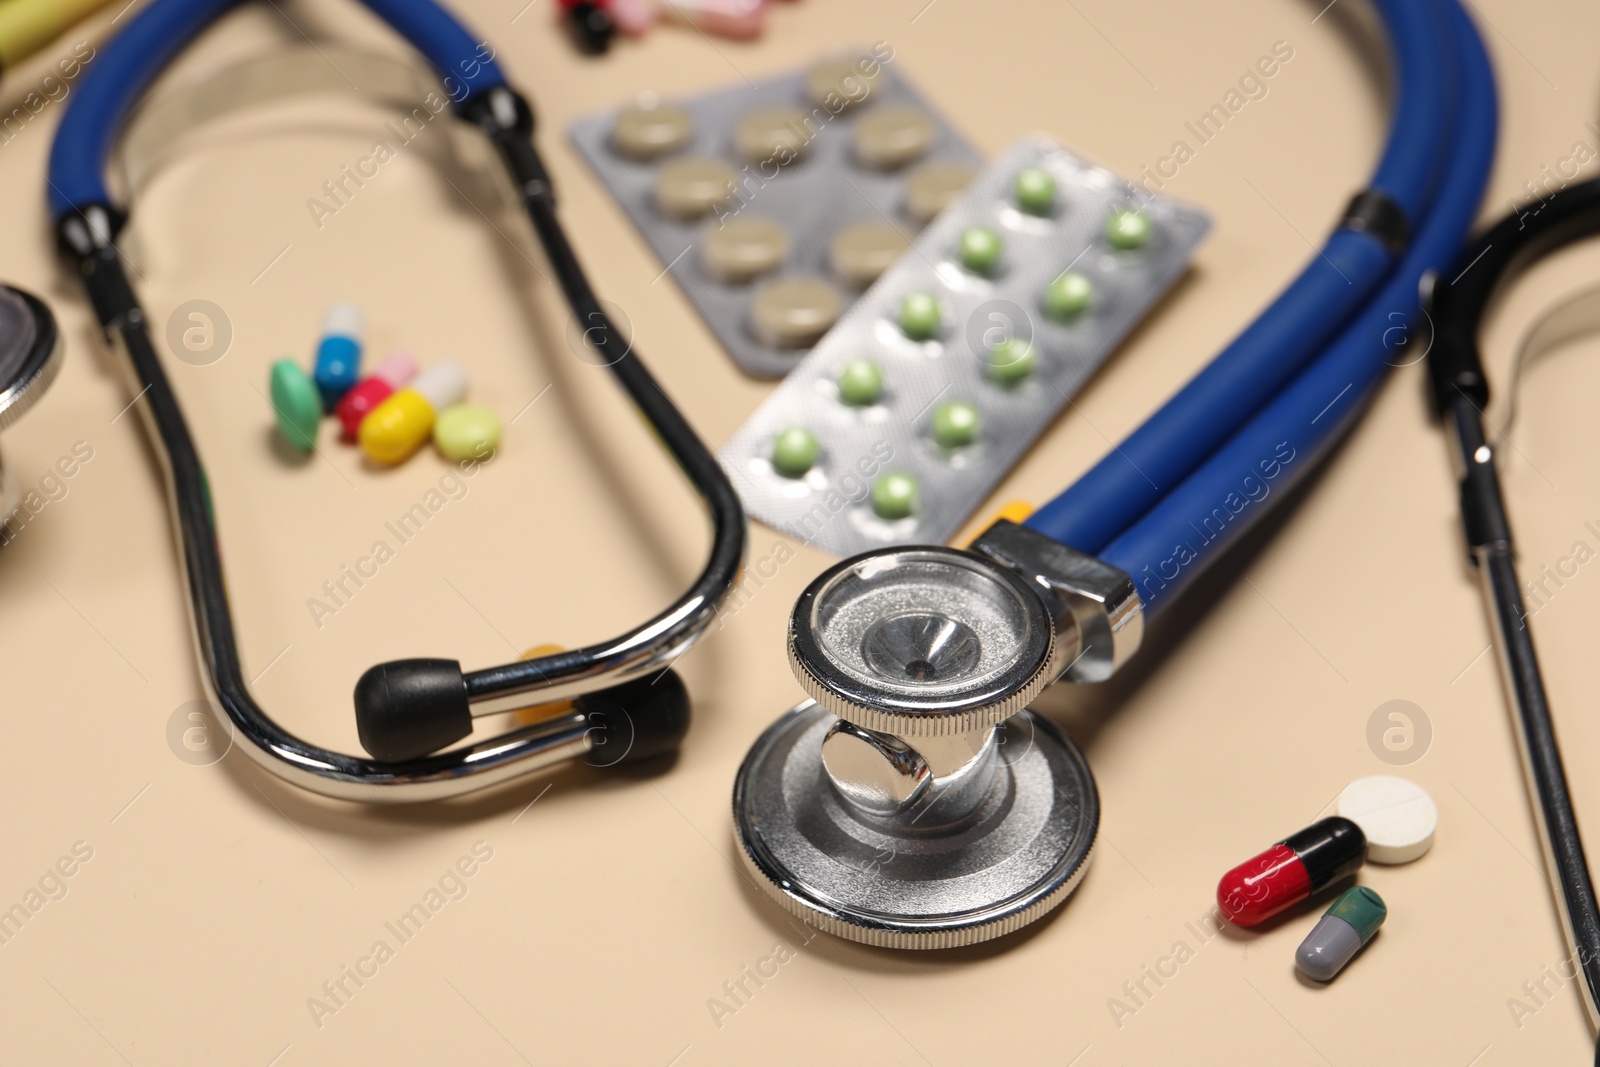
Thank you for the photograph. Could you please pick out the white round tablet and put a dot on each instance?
(1397, 815)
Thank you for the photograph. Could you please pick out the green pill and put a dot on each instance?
(1069, 295)
(466, 431)
(1011, 361)
(795, 451)
(919, 316)
(297, 403)
(860, 383)
(1036, 191)
(1128, 229)
(895, 496)
(955, 424)
(980, 249)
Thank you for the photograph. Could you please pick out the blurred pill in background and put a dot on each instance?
(399, 426)
(466, 431)
(393, 372)
(338, 364)
(296, 403)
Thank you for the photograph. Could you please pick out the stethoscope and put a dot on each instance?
(627, 704)
(914, 801)
(1460, 392)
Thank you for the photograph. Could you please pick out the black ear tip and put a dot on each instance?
(636, 720)
(408, 708)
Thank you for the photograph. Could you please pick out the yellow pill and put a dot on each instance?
(541, 712)
(1016, 511)
(398, 427)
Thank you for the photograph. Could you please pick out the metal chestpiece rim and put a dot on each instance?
(983, 600)
(30, 352)
(903, 885)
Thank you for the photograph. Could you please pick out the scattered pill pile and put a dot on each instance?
(1381, 819)
(594, 24)
(391, 412)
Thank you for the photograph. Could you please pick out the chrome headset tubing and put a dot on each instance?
(1460, 392)
(88, 222)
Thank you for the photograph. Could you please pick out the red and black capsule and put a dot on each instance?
(1291, 871)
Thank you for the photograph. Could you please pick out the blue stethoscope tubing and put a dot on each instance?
(1205, 450)
(1433, 169)
(161, 31)
(1334, 285)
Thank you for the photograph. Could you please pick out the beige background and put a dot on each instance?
(218, 900)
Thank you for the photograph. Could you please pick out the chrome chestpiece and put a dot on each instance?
(914, 801)
(30, 356)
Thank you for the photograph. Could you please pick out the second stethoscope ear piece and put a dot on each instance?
(408, 708)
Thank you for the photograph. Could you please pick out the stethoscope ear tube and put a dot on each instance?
(1457, 305)
(1460, 392)
(408, 708)
(626, 702)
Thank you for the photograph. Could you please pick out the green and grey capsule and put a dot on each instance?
(1341, 932)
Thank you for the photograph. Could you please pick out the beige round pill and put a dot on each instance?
(795, 312)
(773, 133)
(650, 129)
(893, 137)
(743, 248)
(688, 188)
(933, 187)
(839, 83)
(860, 253)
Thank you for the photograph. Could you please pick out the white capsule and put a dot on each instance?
(441, 385)
(343, 319)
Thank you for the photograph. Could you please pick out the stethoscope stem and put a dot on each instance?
(1493, 552)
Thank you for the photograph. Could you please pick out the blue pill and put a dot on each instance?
(338, 365)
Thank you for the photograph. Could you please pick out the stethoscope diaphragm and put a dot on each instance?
(914, 802)
(921, 642)
(30, 357)
(909, 880)
(30, 352)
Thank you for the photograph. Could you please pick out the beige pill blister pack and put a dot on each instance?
(774, 205)
(903, 419)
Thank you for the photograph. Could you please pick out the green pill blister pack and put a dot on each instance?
(941, 376)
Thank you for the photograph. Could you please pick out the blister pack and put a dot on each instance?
(909, 412)
(774, 205)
